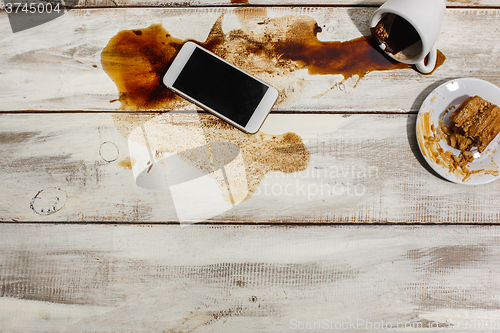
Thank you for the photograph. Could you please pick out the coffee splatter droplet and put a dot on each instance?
(127, 163)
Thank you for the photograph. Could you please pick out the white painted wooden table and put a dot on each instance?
(336, 222)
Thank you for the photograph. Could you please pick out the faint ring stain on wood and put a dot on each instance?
(109, 151)
(136, 60)
(48, 201)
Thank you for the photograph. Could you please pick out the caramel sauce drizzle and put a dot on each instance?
(429, 141)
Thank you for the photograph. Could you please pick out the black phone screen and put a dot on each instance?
(221, 87)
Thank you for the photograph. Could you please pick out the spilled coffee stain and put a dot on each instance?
(272, 49)
(189, 134)
(127, 163)
(262, 153)
(136, 60)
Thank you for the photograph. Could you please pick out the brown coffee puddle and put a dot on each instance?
(136, 60)
(269, 48)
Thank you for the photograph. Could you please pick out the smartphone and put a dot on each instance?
(220, 87)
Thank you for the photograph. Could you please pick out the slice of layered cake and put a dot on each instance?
(476, 122)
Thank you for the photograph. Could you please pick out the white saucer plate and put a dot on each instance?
(439, 105)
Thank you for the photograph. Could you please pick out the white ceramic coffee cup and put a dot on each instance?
(426, 16)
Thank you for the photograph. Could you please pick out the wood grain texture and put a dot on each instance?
(134, 275)
(362, 169)
(193, 3)
(52, 69)
(106, 278)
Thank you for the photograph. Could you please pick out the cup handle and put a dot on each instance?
(431, 62)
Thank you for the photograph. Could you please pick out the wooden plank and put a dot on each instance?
(46, 69)
(193, 3)
(107, 278)
(240, 3)
(302, 168)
